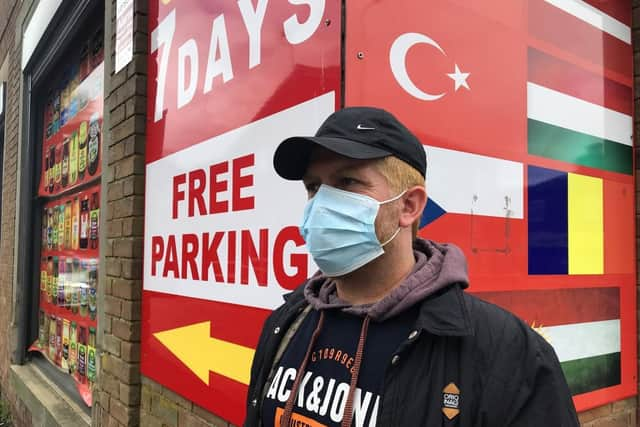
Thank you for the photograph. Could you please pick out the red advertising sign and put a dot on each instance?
(227, 82)
(527, 125)
(525, 110)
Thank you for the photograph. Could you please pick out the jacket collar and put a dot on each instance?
(445, 313)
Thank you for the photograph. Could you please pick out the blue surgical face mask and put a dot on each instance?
(339, 229)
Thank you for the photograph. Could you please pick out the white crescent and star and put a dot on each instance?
(397, 60)
(459, 78)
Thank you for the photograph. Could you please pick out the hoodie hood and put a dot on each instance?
(437, 266)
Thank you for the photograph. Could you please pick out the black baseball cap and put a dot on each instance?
(354, 132)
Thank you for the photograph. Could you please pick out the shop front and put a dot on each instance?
(144, 236)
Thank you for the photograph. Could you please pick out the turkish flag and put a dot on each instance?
(453, 72)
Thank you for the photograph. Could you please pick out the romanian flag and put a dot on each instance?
(579, 98)
(566, 226)
(574, 224)
(582, 325)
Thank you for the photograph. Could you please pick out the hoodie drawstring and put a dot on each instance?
(348, 407)
(288, 408)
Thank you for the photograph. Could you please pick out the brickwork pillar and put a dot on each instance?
(117, 398)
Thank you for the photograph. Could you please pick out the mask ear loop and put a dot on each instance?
(393, 199)
(382, 245)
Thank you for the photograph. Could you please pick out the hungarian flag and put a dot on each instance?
(578, 117)
(579, 98)
(582, 325)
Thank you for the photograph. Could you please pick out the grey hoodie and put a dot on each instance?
(437, 266)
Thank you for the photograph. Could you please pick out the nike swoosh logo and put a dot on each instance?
(360, 127)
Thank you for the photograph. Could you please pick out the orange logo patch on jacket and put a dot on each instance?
(451, 401)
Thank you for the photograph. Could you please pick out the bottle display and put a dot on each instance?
(60, 227)
(91, 356)
(52, 337)
(73, 347)
(69, 211)
(93, 146)
(66, 325)
(65, 163)
(57, 167)
(73, 158)
(53, 293)
(92, 295)
(84, 223)
(82, 354)
(46, 170)
(56, 111)
(49, 228)
(75, 289)
(72, 122)
(52, 162)
(54, 228)
(94, 219)
(75, 223)
(45, 219)
(67, 224)
(59, 322)
(43, 274)
(84, 300)
(68, 283)
(47, 295)
(61, 276)
(82, 149)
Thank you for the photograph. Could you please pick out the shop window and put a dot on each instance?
(68, 112)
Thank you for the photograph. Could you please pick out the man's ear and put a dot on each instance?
(414, 201)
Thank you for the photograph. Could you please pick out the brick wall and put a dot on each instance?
(161, 406)
(617, 414)
(10, 49)
(118, 394)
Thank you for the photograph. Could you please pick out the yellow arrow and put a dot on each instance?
(200, 353)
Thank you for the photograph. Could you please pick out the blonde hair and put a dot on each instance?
(401, 176)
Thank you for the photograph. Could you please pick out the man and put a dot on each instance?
(383, 334)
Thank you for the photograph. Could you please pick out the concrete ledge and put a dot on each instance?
(47, 404)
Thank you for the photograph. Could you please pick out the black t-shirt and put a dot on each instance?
(324, 387)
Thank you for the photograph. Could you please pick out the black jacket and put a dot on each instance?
(506, 373)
